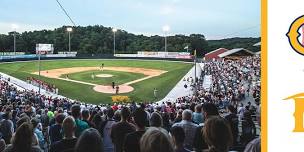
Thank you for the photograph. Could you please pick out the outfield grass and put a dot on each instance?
(118, 77)
(143, 91)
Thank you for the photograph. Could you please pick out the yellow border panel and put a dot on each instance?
(264, 75)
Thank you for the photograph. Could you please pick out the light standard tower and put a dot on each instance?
(14, 26)
(69, 29)
(114, 31)
(166, 29)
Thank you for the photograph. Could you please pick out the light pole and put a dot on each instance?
(166, 29)
(39, 69)
(195, 86)
(114, 31)
(14, 26)
(69, 29)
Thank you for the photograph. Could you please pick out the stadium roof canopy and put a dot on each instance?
(214, 54)
(217, 50)
(238, 52)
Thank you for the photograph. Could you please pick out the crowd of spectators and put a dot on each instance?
(44, 85)
(212, 120)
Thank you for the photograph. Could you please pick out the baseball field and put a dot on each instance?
(89, 81)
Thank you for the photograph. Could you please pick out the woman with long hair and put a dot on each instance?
(22, 141)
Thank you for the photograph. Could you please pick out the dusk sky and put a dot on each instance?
(216, 19)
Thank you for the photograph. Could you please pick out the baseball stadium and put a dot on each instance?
(73, 79)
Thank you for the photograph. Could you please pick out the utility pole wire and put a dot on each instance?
(66, 13)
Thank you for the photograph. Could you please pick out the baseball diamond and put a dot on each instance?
(80, 79)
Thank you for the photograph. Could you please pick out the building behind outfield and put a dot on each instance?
(214, 54)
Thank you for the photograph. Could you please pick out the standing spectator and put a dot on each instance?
(89, 141)
(233, 121)
(131, 142)
(217, 134)
(55, 130)
(255, 144)
(7, 127)
(37, 131)
(189, 128)
(105, 130)
(14, 118)
(97, 121)
(209, 110)
(178, 116)
(178, 136)
(241, 111)
(86, 116)
(69, 140)
(155, 140)
(2, 145)
(23, 136)
(197, 115)
(156, 120)
(80, 125)
(120, 130)
(248, 129)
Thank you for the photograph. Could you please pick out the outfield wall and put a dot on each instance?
(80, 56)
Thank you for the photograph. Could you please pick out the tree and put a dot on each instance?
(98, 39)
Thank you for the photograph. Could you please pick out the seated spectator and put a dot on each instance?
(81, 125)
(23, 136)
(67, 144)
(55, 130)
(121, 129)
(89, 141)
(217, 134)
(189, 128)
(178, 136)
(155, 140)
(131, 142)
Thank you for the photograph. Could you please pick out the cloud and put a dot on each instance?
(6, 27)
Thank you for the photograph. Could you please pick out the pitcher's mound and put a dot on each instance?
(110, 90)
(104, 75)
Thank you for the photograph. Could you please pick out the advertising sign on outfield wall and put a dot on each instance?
(44, 48)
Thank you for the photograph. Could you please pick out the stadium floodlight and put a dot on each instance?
(14, 27)
(114, 31)
(166, 29)
(69, 29)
